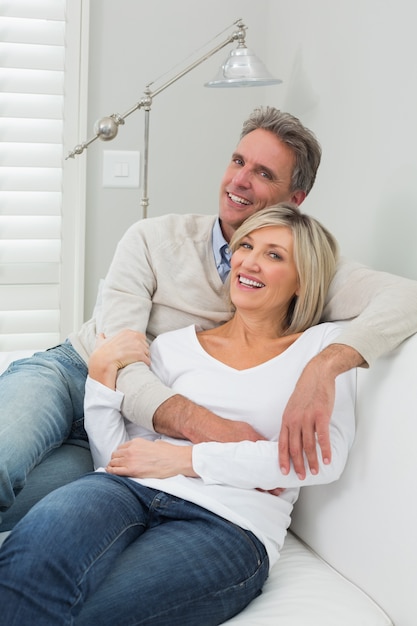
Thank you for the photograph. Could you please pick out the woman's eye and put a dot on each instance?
(244, 244)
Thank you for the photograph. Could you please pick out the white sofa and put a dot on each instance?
(350, 558)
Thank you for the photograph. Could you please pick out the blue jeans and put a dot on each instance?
(41, 405)
(62, 563)
(61, 466)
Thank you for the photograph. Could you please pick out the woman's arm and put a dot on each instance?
(246, 464)
(104, 423)
(255, 464)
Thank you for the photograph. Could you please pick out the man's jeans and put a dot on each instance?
(41, 405)
(181, 565)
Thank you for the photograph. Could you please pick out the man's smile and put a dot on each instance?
(238, 199)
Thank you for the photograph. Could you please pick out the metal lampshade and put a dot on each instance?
(242, 69)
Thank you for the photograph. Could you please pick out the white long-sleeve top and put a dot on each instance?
(230, 473)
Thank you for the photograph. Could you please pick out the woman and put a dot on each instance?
(205, 519)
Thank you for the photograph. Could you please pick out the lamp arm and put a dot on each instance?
(233, 37)
(107, 128)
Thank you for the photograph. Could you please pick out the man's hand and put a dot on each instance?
(306, 418)
(307, 413)
(179, 417)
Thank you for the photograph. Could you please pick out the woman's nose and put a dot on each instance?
(251, 261)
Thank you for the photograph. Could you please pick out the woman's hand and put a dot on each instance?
(141, 458)
(114, 353)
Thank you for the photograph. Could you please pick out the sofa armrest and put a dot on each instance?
(8, 357)
(364, 524)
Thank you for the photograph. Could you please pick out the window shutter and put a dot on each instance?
(33, 81)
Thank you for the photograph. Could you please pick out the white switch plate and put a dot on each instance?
(121, 168)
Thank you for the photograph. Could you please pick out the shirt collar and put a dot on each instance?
(219, 242)
(221, 251)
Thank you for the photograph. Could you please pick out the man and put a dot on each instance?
(276, 160)
(168, 272)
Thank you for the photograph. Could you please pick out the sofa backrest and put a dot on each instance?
(365, 524)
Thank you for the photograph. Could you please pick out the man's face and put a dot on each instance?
(258, 176)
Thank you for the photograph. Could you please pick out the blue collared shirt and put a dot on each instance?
(221, 251)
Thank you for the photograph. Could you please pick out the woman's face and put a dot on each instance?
(263, 275)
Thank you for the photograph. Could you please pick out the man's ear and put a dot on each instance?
(298, 197)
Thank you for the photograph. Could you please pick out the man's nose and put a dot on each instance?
(242, 177)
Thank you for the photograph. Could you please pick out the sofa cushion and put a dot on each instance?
(303, 590)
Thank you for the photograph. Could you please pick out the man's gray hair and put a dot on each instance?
(301, 140)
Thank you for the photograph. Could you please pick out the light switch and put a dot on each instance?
(121, 168)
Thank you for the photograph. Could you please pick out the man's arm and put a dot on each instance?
(179, 417)
(307, 415)
(382, 308)
(139, 293)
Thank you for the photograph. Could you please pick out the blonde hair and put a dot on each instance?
(315, 257)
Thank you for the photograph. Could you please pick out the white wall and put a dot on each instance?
(349, 70)
(348, 67)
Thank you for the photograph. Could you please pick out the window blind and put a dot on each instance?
(32, 87)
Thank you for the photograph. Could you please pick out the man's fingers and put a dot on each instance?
(323, 438)
(300, 442)
(290, 448)
(284, 450)
(277, 491)
(120, 470)
(296, 453)
(310, 449)
(274, 492)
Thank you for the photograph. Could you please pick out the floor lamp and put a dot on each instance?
(242, 68)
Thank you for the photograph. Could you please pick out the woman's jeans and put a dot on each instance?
(41, 405)
(186, 566)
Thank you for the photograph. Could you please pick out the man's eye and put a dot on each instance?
(238, 161)
(266, 175)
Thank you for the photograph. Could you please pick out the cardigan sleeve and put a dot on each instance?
(162, 277)
(382, 308)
